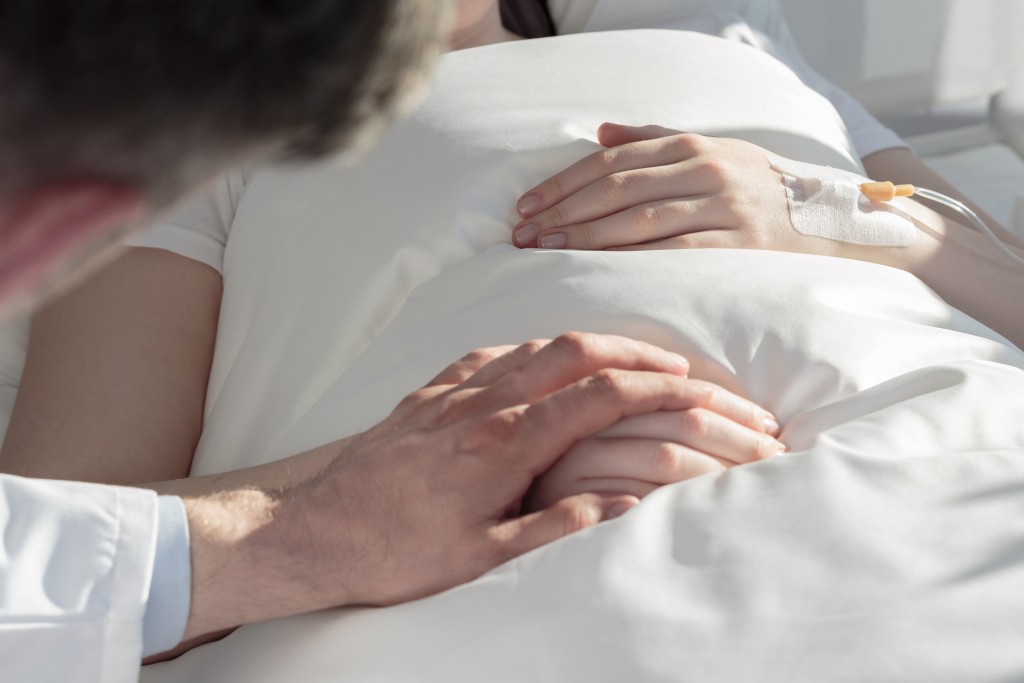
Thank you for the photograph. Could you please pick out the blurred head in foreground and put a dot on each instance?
(110, 110)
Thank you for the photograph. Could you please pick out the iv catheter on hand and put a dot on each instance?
(886, 192)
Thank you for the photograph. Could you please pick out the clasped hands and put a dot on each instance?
(513, 447)
(506, 450)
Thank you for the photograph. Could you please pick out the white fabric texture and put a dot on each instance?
(199, 229)
(886, 547)
(993, 176)
(826, 202)
(761, 23)
(440, 188)
(75, 567)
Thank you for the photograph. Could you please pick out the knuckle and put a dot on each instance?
(647, 221)
(615, 187)
(533, 346)
(765, 447)
(702, 393)
(696, 422)
(689, 144)
(576, 344)
(715, 170)
(558, 215)
(415, 399)
(555, 187)
(578, 515)
(607, 381)
(666, 461)
(589, 236)
(478, 357)
(495, 549)
(605, 160)
(494, 432)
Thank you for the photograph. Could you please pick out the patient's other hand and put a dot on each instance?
(639, 454)
(658, 188)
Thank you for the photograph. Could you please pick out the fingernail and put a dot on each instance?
(528, 205)
(619, 509)
(527, 234)
(771, 426)
(681, 361)
(555, 240)
(783, 449)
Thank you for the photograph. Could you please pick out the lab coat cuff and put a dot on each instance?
(170, 593)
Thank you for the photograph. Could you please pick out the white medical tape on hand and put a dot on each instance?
(827, 202)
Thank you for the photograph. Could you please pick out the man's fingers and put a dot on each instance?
(523, 534)
(574, 356)
(514, 358)
(467, 366)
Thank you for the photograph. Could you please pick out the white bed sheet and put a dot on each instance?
(889, 546)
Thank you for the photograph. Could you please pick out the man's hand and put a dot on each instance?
(430, 497)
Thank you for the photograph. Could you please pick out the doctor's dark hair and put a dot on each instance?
(163, 93)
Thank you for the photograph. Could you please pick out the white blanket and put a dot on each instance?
(889, 546)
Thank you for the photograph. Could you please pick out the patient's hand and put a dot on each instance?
(642, 453)
(658, 188)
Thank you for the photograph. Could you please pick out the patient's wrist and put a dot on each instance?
(931, 231)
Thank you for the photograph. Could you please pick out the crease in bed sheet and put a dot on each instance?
(788, 349)
(480, 143)
(853, 559)
(844, 558)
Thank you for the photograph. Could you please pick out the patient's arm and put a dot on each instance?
(115, 378)
(643, 453)
(903, 166)
(660, 189)
(962, 266)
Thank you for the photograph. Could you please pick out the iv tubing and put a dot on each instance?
(887, 191)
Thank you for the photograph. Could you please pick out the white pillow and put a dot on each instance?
(320, 259)
(880, 550)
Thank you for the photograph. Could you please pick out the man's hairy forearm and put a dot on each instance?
(249, 561)
(420, 502)
(271, 476)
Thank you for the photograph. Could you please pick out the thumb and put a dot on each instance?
(567, 516)
(615, 134)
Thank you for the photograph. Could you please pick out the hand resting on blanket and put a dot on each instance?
(642, 453)
(654, 187)
(659, 188)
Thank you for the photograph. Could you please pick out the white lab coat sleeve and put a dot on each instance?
(76, 562)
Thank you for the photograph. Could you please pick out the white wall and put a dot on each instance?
(896, 55)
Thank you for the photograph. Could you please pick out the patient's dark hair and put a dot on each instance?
(162, 93)
(528, 18)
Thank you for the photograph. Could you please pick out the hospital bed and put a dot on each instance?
(887, 547)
